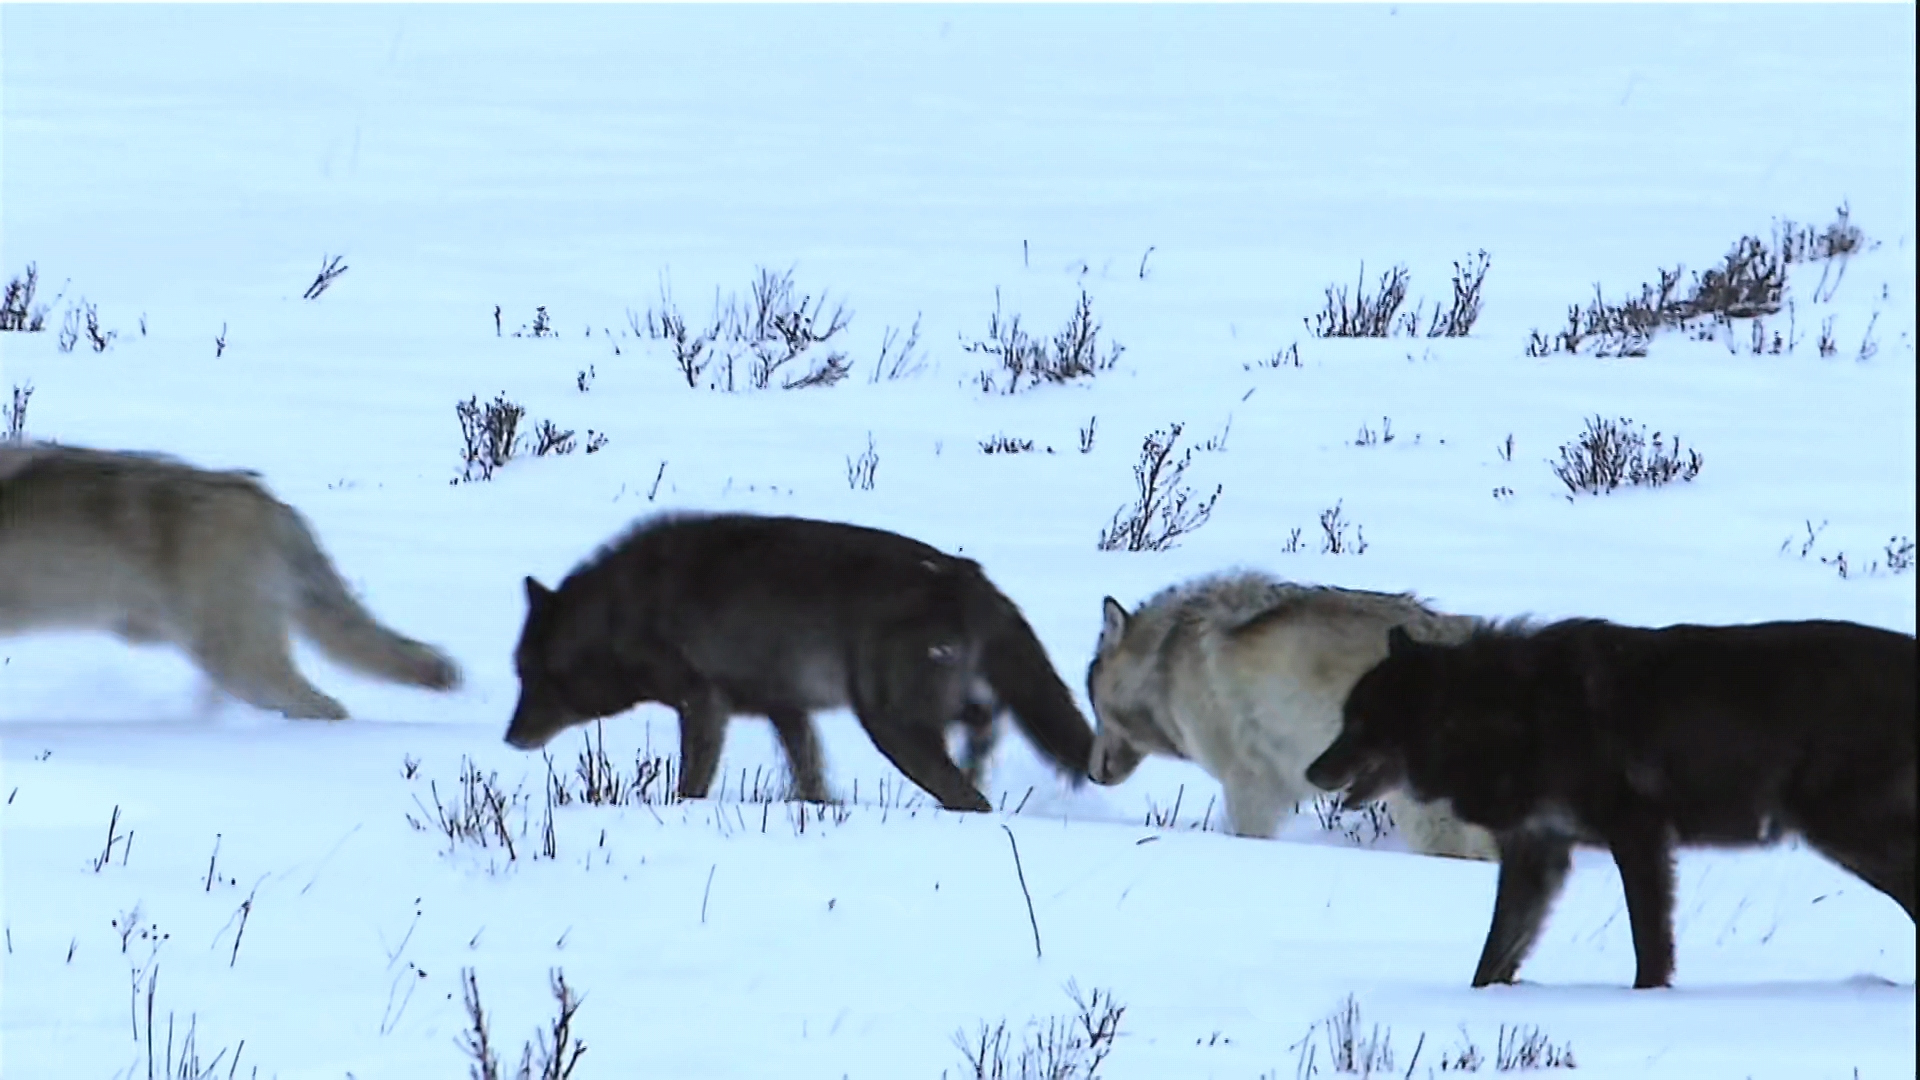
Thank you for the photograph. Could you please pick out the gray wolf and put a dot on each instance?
(154, 550)
(1640, 739)
(1243, 674)
(714, 615)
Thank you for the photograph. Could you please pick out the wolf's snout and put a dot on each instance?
(1327, 773)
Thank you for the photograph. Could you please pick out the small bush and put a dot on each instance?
(17, 414)
(1612, 454)
(1005, 444)
(1025, 362)
(330, 268)
(1362, 315)
(490, 435)
(902, 364)
(1071, 1047)
(1749, 283)
(861, 470)
(554, 1051)
(17, 310)
(775, 326)
(1333, 533)
(1163, 509)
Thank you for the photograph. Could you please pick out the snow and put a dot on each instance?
(185, 168)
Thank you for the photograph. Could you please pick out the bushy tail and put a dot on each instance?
(327, 613)
(1023, 679)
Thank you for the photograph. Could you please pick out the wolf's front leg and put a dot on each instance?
(798, 739)
(1255, 804)
(703, 732)
(1532, 870)
(1645, 858)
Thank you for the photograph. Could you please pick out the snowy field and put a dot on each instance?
(1203, 176)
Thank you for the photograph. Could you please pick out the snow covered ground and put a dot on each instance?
(1203, 175)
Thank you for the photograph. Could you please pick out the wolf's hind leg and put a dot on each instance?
(1884, 860)
(802, 747)
(703, 732)
(978, 721)
(1532, 870)
(1645, 859)
(919, 750)
(250, 658)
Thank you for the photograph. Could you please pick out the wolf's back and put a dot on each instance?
(1023, 679)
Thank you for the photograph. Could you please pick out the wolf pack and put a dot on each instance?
(1503, 740)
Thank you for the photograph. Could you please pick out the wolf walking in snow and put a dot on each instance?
(1244, 674)
(714, 615)
(1637, 739)
(152, 549)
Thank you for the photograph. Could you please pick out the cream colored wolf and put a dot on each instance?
(152, 549)
(1245, 675)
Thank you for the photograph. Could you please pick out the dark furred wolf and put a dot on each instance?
(1638, 739)
(714, 615)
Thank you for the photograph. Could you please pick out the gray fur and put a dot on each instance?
(154, 550)
(1244, 675)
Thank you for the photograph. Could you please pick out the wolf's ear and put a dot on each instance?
(536, 592)
(1113, 624)
(1399, 642)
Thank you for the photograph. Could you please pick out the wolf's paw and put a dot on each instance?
(438, 672)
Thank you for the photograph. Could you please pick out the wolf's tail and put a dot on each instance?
(327, 613)
(1024, 682)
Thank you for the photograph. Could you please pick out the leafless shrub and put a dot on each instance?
(1285, 358)
(1828, 345)
(17, 414)
(554, 1051)
(1005, 444)
(1164, 508)
(1370, 437)
(1525, 1048)
(330, 268)
(1749, 283)
(1899, 554)
(902, 364)
(541, 327)
(81, 321)
(1466, 1057)
(1869, 346)
(1611, 454)
(861, 470)
(1087, 434)
(1362, 315)
(166, 1059)
(1350, 1049)
(1363, 825)
(1069, 1047)
(490, 435)
(1074, 353)
(550, 438)
(17, 309)
(1458, 320)
(1333, 533)
(479, 812)
(773, 327)
(1803, 243)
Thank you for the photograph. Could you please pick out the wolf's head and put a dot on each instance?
(573, 670)
(1438, 720)
(1121, 686)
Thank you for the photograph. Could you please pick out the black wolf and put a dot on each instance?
(1639, 739)
(714, 615)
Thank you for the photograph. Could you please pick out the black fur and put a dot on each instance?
(1637, 740)
(715, 615)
